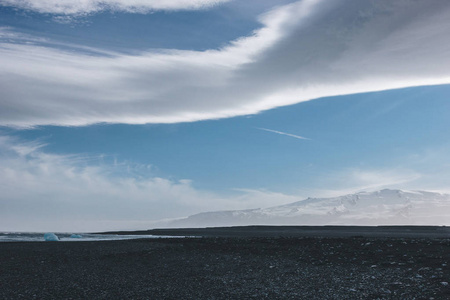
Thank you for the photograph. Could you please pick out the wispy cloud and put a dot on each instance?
(44, 191)
(41, 191)
(74, 7)
(284, 133)
(351, 180)
(304, 50)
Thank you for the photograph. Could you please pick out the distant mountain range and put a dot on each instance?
(385, 207)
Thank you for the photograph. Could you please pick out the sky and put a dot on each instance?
(115, 114)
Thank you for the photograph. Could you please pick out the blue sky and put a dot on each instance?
(113, 116)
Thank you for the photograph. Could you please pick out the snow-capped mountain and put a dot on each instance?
(385, 207)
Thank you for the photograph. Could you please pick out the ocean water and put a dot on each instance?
(66, 237)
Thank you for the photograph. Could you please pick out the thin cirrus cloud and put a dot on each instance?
(76, 7)
(303, 50)
(284, 133)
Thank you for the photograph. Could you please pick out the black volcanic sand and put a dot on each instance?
(228, 268)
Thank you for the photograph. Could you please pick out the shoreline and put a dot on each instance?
(299, 231)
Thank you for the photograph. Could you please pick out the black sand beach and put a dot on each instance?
(246, 267)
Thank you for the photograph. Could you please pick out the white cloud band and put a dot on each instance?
(76, 7)
(303, 51)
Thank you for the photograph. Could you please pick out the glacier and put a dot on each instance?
(384, 207)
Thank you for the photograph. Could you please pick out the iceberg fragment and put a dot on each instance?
(51, 237)
(75, 236)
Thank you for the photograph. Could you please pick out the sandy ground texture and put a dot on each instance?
(228, 268)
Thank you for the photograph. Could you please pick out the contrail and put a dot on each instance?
(283, 133)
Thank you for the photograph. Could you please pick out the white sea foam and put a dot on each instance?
(66, 237)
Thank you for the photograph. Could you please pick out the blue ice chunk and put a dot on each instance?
(75, 236)
(51, 237)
